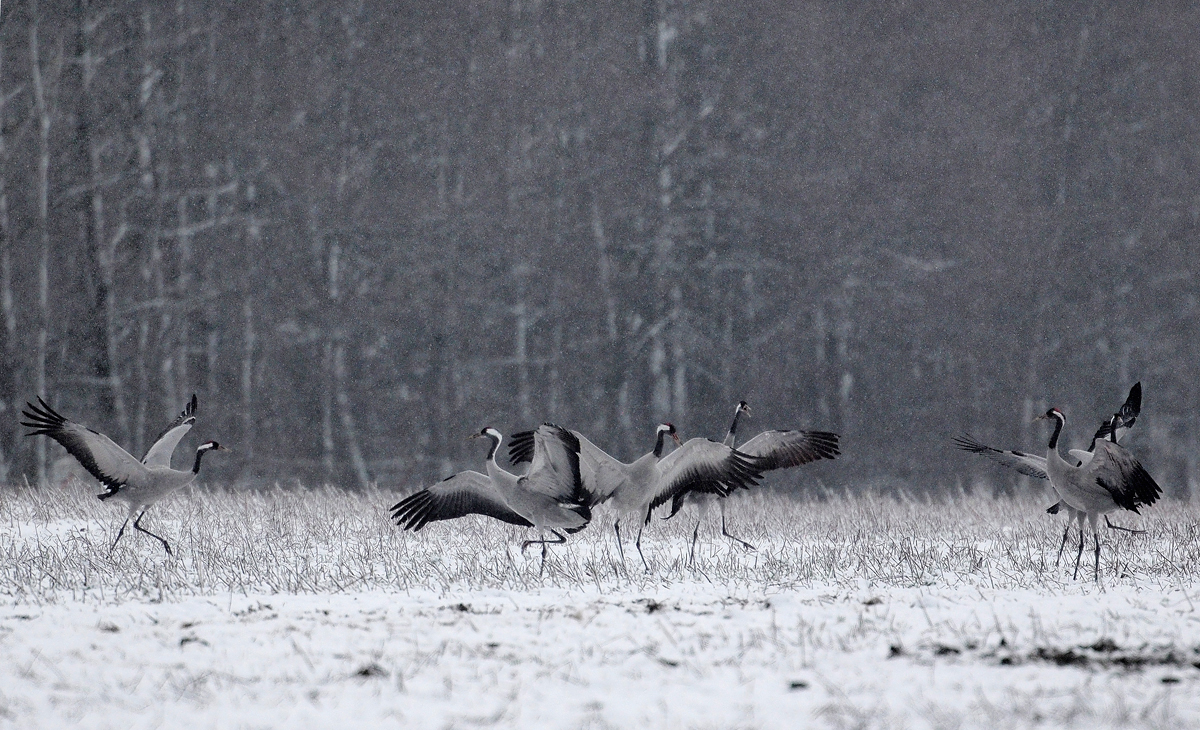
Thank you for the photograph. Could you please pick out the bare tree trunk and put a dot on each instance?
(148, 184)
(183, 292)
(249, 335)
(8, 353)
(521, 359)
(327, 412)
(103, 246)
(616, 373)
(679, 402)
(142, 372)
(166, 364)
(664, 142)
(344, 411)
(44, 113)
(336, 393)
(446, 372)
(249, 342)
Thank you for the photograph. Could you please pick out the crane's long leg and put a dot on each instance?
(620, 547)
(1111, 526)
(1078, 555)
(1072, 515)
(638, 543)
(1061, 547)
(695, 536)
(119, 533)
(543, 541)
(137, 526)
(725, 532)
(1096, 535)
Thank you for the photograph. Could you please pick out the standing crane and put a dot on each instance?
(1112, 479)
(1032, 465)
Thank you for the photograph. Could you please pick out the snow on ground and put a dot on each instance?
(297, 609)
(688, 655)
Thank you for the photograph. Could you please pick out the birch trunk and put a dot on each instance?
(104, 247)
(183, 291)
(8, 359)
(44, 116)
(347, 417)
(249, 335)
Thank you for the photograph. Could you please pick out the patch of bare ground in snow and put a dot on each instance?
(306, 608)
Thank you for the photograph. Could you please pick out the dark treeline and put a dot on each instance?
(362, 229)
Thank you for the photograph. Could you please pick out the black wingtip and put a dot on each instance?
(967, 443)
(520, 447)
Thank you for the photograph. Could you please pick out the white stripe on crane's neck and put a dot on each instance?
(1059, 421)
(496, 438)
(663, 430)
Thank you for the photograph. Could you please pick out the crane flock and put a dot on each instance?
(568, 476)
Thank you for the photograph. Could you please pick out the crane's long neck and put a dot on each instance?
(495, 439)
(1059, 421)
(731, 436)
(200, 452)
(494, 469)
(658, 444)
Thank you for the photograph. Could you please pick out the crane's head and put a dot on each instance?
(1052, 413)
(742, 407)
(669, 429)
(491, 433)
(487, 432)
(211, 446)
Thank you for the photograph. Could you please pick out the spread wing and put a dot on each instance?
(1080, 456)
(705, 466)
(113, 466)
(602, 473)
(554, 468)
(520, 448)
(160, 453)
(465, 493)
(783, 449)
(1115, 469)
(1028, 464)
(1123, 419)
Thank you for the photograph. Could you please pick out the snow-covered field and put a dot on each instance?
(309, 609)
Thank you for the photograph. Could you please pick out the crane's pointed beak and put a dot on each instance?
(677, 441)
(474, 436)
(224, 448)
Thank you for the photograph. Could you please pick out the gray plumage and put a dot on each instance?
(640, 486)
(549, 497)
(159, 453)
(769, 450)
(1112, 479)
(137, 483)
(1033, 465)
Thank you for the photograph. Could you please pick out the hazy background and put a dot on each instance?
(363, 230)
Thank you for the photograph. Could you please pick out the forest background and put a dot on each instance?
(362, 229)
